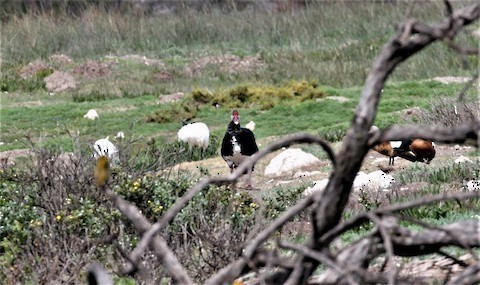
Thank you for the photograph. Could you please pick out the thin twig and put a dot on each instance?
(184, 200)
(387, 243)
(362, 218)
(321, 257)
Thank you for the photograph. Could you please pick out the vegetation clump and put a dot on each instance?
(262, 97)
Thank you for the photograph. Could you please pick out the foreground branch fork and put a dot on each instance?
(184, 200)
(328, 206)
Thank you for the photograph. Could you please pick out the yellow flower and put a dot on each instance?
(59, 217)
(136, 185)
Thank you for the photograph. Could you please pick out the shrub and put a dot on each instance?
(183, 111)
(446, 111)
(11, 81)
(55, 220)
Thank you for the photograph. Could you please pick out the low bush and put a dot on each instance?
(55, 220)
(447, 111)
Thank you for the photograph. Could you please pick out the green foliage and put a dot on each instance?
(449, 173)
(11, 81)
(261, 97)
(368, 201)
(281, 199)
(333, 134)
(178, 112)
(18, 217)
(93, 96)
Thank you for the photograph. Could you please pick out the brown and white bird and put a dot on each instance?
(238, 144)
(412, 150)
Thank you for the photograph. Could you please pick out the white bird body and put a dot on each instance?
(104, 147)
(195, 134)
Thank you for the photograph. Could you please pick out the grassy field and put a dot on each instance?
(331, 44)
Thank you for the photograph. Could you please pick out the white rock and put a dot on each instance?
(104, 147)
(473, 185)
(300, 174)
(360, 180)
(379, 160)
(290, 160)
(462, 159)
(317, 186)
(375, 180)
(91, 114)
(456, 147)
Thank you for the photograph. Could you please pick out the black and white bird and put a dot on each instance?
(237, 145)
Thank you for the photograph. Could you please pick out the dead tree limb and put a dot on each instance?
(185, 199)
(329, 204)
(405, 243)
(471, 275)
(158, 244)
(362, 218)
(467, 133)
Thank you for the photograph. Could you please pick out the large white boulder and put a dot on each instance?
(373, 180)
(317, 186)
(462, 159)
(289, 161)
(473, 185)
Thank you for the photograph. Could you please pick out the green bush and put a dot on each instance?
(13, 82)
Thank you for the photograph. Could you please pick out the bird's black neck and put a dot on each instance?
(233, 128)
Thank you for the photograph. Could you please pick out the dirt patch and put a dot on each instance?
(92, 69)
(163, 76)
(60, 59)
(33, 68)
(60, 81)
(227, 63)
(451, 79)
(7, 158)
(137, 58)
(170, 98)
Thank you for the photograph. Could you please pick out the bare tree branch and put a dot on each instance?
(321, 257)
(387, 242)
(96, 275)
(464, 133)
(405, 243)
(471, 275)
(158, 244)
(184, 200)
(361, 219)
(229, 273)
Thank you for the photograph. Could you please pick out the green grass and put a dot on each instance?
(335, 43)
(39, 115)
(332, 44)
